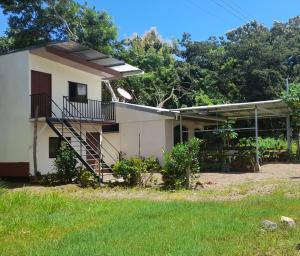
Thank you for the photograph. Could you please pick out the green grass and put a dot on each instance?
(56, 224)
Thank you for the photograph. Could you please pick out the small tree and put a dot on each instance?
(226, 133)
(180, 162)
(292, 99)
(65, 163)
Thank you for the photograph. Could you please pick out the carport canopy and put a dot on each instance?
(240, 111)
(237, 111)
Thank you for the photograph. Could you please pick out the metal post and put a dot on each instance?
(139, 146)
(62, 123)
(180, 125)
(288, 134)
(257, 166)
(287, 85)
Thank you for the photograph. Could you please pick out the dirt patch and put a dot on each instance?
(216, 186)
(274, 171)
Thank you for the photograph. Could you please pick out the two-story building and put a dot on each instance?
(57, 88)
(53, 93)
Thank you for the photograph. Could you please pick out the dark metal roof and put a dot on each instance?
(235, 111)
(109, 67)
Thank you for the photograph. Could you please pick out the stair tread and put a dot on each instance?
(65, 129)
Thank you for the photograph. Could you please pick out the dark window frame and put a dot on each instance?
(176, 134)
(54, 151)
(73, 92)
(111, 128)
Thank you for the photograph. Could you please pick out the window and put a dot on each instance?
(198, 133)
(110, 128)
(77, 92)
(54, 145)
(176, 134)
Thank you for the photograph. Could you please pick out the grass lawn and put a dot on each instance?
(55, 223)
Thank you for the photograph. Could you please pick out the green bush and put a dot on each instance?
(151, 164)
(87, 179)
(65, 164)
(270, 149)
(50, 179)
(182, 157)
(131, 169)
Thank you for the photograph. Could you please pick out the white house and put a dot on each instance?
(59, 85)
(57, 88)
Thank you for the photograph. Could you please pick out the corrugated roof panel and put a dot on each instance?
(89, 54)
(107, 62)
(125, 68)
(272, 108)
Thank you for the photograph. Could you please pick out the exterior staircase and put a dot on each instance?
(70, 123)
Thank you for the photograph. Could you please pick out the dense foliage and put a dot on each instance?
(249, 63)
(39, 21)
(180, 162)
(65, 163)
(131, 169)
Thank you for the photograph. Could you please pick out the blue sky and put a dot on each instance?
(201, 18)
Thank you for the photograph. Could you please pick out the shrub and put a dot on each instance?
(130, 170)
(65, 164)
(270, 149)
(151, 164)
(87, 179)
(178, 161)
(50, 179)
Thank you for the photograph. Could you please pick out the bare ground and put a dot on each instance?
(284, 178)
(274, 172)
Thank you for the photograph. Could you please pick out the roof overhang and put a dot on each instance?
(84, 58)
(237, 111)
(148, 109)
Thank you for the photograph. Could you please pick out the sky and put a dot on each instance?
(200, 18)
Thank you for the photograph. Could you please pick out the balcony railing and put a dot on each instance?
(93, 110)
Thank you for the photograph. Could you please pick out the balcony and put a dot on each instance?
(92, 110)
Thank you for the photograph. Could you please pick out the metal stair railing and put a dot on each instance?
(46, 102)
(79, 140)
(67, 105)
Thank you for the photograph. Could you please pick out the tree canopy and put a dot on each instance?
(249, 63)
(39, 21)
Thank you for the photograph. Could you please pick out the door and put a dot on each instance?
(93, 140)
(40, 94)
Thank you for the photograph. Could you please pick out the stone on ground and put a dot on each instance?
(287, 220)
(268, 225)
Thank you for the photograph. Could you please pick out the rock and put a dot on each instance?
(199, 185)
(289, 221)
(268, 225)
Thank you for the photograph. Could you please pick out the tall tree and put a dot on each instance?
(38, 21)
(160, 85)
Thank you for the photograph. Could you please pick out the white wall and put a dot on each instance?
(62, 74)
(44, 163)
(129, 114)
(111, 144)
(15, 134)
(139, 130)
(170, 124)
(150, 135)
